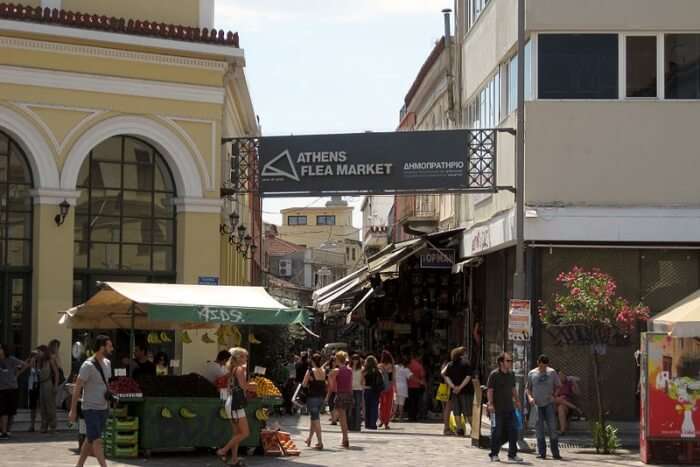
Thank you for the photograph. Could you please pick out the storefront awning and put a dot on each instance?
(473, 262)
(384, 261)
(178, 306)
(681, 319)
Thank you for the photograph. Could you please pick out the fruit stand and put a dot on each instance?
(183, 412)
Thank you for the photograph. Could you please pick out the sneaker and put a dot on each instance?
(515, 459)
(494, 458)
(4, 436)
(557, 457)
(541, 456)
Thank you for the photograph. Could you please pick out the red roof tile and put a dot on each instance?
(275, 246)
(118, 25)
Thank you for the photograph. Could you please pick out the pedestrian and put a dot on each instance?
(330, 396)
(355, 419)
(238, 379)
(301, 367)
(458, 375)
(91, 385)
(373, 385)
(142, 365)
(162, 361)
(216, 369)
(33, 389)
(10, 368)
(48, 385)
(61, 390)
(386, 399)
(542, 384)
(403, 374)
(342, 375)
(502, 400)
(315, 382)
(416, 387)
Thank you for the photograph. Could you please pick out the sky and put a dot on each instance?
(330, 66)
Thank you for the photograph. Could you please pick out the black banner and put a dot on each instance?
(362, 163)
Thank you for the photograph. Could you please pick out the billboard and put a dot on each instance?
(369, 163)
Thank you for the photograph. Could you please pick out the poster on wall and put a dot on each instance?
(672, 387)
(519, 322)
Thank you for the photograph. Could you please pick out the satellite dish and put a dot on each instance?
(77, 350)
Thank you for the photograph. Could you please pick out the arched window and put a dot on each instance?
(125, 217)
(15, 245)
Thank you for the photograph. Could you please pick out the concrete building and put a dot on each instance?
(111, 159)
(316, 226)
(375, 223)
(612, 92)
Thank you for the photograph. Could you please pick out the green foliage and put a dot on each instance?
(606, 440)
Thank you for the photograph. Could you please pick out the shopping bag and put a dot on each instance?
(518, 419)
(299, 397)
(443, 393)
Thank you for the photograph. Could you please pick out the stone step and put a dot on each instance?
(22, 421)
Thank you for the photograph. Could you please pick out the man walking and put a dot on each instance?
(92, 385)
(502, 399)
(416, 387)
(542, 383)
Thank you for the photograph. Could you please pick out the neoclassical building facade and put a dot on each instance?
(116, 108)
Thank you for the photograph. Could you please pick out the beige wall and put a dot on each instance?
(313, 235)
(562, 15)
(185, 12)
(612, 153)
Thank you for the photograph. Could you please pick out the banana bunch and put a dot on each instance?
(252, 339)
(206, 339)
(225, 331)
(153, 338)
(186, 339)
(166, 413)
(187, 413)
(262, 414)
(266, 388)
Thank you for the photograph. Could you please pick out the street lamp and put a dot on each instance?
(62, 212)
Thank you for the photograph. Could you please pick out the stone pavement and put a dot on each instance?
(406, 444)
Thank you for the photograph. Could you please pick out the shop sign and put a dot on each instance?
(366, 163)
(672, 387)
(519, 320)
(208, 280)
(431, 259)
(481, 240)
(225, 315)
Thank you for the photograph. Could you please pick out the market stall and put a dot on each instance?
(670, 385)
(177, 412)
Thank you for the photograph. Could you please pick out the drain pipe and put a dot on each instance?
(450, 67)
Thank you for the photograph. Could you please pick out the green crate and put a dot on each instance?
(113, 451)
(123, 424)
(121, 438)
(119, 412)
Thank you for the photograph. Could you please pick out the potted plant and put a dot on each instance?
(589, 312)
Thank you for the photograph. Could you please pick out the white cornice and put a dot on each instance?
(110, 85)
(203, 205)
(229, 53)
(114, 54)
(47, 196)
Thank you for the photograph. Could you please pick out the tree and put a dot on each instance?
(591, 313)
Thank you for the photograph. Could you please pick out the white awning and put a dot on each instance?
(473, 262)
(681, 319)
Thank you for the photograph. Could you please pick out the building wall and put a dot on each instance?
(313, 235)
(185, 12)
(58, 100)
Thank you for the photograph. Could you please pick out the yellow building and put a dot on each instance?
(316, 227)
(118, 110)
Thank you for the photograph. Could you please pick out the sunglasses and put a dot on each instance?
(509, 361)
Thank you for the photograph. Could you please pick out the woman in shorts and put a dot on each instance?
(315, 382)
(343, 398)
(237, 372)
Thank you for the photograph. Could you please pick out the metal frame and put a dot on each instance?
(243, 157)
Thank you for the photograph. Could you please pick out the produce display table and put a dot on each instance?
(173, 423)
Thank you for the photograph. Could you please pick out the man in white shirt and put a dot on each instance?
(216, 369)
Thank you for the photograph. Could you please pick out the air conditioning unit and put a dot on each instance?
(285, 266)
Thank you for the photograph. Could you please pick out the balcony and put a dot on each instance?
(375, 238)
(418, 214)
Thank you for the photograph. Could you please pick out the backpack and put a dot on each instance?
(375, 381)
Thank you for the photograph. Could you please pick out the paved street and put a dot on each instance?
(404, 445)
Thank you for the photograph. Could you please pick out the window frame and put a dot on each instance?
(660, 64)
(289, 218)
(318, 218)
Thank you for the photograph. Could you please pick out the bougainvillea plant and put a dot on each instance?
(591, 300)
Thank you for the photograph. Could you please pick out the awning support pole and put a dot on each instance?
(132, 337)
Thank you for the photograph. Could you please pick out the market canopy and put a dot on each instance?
(681, 319)
(179, 306)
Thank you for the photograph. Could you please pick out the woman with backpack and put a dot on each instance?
(315, 382)
(373, 383)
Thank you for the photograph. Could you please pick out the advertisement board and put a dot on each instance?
(432, 259)
(672, 387)
(366, 163)
(519, 320)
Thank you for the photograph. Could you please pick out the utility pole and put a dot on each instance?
(519, 276)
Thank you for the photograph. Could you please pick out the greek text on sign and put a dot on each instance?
(519, 320)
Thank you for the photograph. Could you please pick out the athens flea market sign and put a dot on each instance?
(365, 163)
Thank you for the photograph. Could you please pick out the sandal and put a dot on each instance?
(222, 457)
(308, 442)
(346, 444)
(319, 447)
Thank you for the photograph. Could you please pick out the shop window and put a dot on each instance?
(325, 220)
(578, 66)
(296, 220)
(125, 217)
(682, 66)
(641, 66)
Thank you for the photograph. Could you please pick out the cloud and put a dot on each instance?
(258, 13)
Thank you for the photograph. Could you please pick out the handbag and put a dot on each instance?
(300, 395)
(236, 399)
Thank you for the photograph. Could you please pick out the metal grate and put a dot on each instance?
(482, 159)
